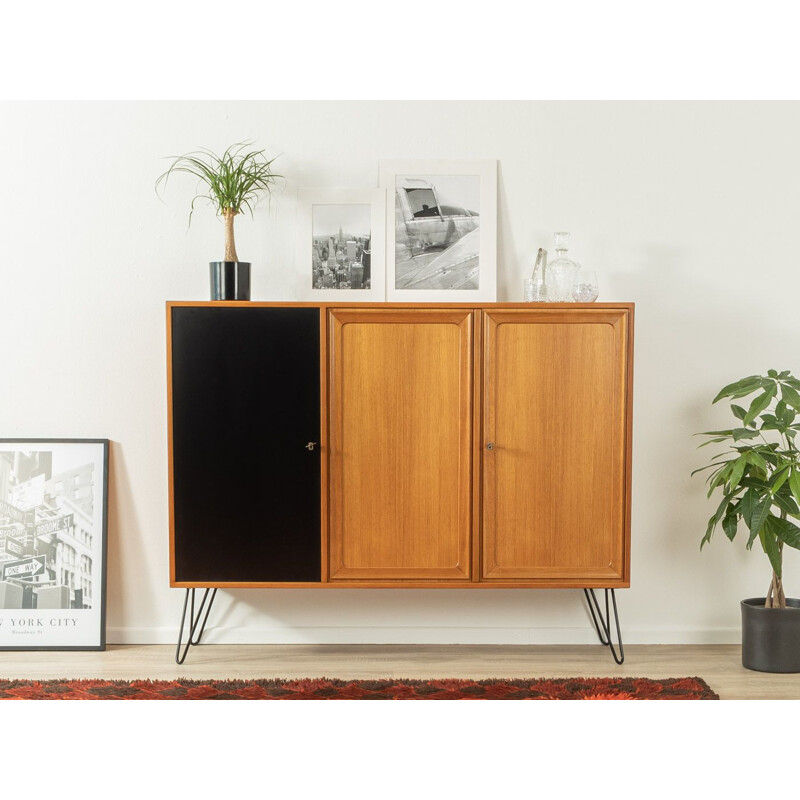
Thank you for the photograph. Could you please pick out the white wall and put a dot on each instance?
(688, 209)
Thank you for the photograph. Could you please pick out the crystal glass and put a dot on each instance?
(535, 287)
(561, 271)
(534, 290)
(528, 291)
(584, 286)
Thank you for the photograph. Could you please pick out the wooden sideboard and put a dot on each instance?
(399, 445)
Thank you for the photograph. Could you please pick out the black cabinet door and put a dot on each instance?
(245, 403)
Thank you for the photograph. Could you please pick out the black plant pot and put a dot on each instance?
(230, 280)
(771, 636)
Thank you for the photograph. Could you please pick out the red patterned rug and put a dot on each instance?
(332, 689)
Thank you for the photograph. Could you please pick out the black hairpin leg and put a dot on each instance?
(194, 621)
(603, 624)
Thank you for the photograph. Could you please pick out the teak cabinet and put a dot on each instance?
(396, 445)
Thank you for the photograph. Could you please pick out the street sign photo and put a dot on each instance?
(15, 547)
(11, 512)
(54, 525)
(27, 568)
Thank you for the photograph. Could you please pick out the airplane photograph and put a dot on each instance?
(437, 232)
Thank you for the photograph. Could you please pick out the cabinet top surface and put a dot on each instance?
(292, 304)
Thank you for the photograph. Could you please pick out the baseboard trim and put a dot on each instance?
(418, 635)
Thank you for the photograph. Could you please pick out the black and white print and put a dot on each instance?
(437, 232)
(341, 247)
(442, 238)
(52, 543)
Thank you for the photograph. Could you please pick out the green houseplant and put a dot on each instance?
(232, 183)
(758, 476)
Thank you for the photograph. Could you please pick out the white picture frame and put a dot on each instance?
(339, 214)
(445, 249)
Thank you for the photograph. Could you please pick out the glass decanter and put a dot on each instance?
(561, 271)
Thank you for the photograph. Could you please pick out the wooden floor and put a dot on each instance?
(719, 665)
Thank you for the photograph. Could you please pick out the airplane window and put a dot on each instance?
(422, 203)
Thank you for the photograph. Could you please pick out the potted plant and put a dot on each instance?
(231, 182)
(758, 476)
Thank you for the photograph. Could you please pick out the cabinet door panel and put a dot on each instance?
(554, 490)
(400, 440)
(245, 400)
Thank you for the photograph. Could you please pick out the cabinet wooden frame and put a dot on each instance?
(474, 577)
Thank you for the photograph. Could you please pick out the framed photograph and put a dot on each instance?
(442, 237)
(53, 534)
(340, 252)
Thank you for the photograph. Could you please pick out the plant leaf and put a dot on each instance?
(738, 411)
(769, 422)
(730, 525)
(714, 520)
(748, 501)
(794, 484)
(779, 478)
(770, 545)
(760, 513)
(741, 388)
(737, 472)
(719, 477)
(757, 460)
(712, 441)
(709, 531)
(760, 403)
(755, 483)
(786, 502)
(790, 396)
(703, 469)
(784, 530)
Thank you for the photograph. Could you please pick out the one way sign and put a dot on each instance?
(26, 568)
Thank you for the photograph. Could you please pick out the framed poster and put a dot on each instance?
(340, 251)
(442, 234)
(53, 535)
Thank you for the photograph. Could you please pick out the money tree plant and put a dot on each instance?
(231, 182)
(759, 472)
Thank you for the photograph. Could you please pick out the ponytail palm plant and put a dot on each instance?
(759, 472)
(232, 182)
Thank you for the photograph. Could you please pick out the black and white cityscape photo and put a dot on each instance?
(341, 253)
(437, 231)
(53, 521)
(47, 532)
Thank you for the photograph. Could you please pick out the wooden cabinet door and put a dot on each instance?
(555, 480)
(400, 443)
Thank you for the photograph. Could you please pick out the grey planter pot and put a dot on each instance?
(771, 636)
(230, 280)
